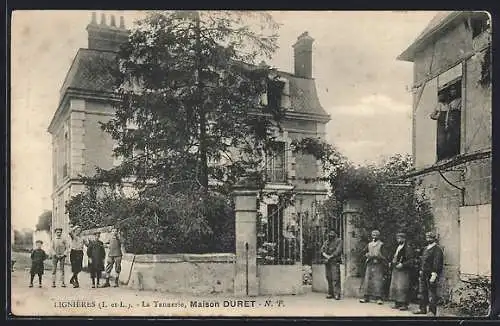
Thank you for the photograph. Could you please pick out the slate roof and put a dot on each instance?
(92, 70)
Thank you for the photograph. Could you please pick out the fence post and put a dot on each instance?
(245, 278)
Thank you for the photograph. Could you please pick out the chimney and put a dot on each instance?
(303, 55)
(106, 37)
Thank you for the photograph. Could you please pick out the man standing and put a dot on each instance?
(332, 253)
(59, 253)
(76, 254)
(114, 257)
(376, 265)
(401, 264)
(430, 270)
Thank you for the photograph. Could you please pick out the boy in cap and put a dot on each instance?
(332, 253)
(430, 269)
(96, 255)
(60, 249)
(38, 256)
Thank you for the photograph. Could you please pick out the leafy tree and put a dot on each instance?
(388, 206)
(189, 85)
(44, 221)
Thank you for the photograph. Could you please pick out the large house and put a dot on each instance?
(79, 144)
(452, 149)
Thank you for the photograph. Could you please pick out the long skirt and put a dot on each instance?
(76, 259)
(400, 286)
(374, 280)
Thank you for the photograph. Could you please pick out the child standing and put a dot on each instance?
(96, 255)
(37, 258)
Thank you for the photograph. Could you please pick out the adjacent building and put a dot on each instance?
(452, 148)
(79, 145)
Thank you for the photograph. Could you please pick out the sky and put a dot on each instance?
(359, 82)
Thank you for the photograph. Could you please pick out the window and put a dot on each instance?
(479, 24)
(448, 117)
(67, 154)
(276, 164)
(274, 90)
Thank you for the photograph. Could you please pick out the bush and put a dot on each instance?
(473, 297)
(179, 223)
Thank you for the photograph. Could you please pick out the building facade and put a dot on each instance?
(79, 144)
(452, 107)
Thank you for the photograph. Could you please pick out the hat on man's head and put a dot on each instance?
(57, 229)
(431, 235)
(332, 232)
(376, 232)
(401, 235)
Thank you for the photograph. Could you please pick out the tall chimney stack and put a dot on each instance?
(106, 37)
(303, 55)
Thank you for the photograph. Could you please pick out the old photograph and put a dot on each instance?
(251, 163)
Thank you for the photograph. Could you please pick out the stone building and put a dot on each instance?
(452, 149)
(79, 144)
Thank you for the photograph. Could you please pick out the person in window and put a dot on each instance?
(376, 264)
(430, 270)
(447, 113)
(332, 254)
(452, 121)
(401, 265)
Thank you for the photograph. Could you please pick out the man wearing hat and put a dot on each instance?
(376, 265)
(401, 265)
(430, 269)
(96, 255)
(59, 253)
(332, 254)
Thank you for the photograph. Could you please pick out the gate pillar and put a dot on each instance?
(245, 278)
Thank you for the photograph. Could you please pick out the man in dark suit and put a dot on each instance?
(430, 271)
(402, 264)
(331, 251)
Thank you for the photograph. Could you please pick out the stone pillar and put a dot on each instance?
(350, 210)
(245, 278)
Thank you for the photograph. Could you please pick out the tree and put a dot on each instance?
(388, 207)
(188, 83)
(189, 110)
(44, 221)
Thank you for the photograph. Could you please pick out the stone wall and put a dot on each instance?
(280, 279)
(181, 273)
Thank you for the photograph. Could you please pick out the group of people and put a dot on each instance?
(96, 254)
(401, 264)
